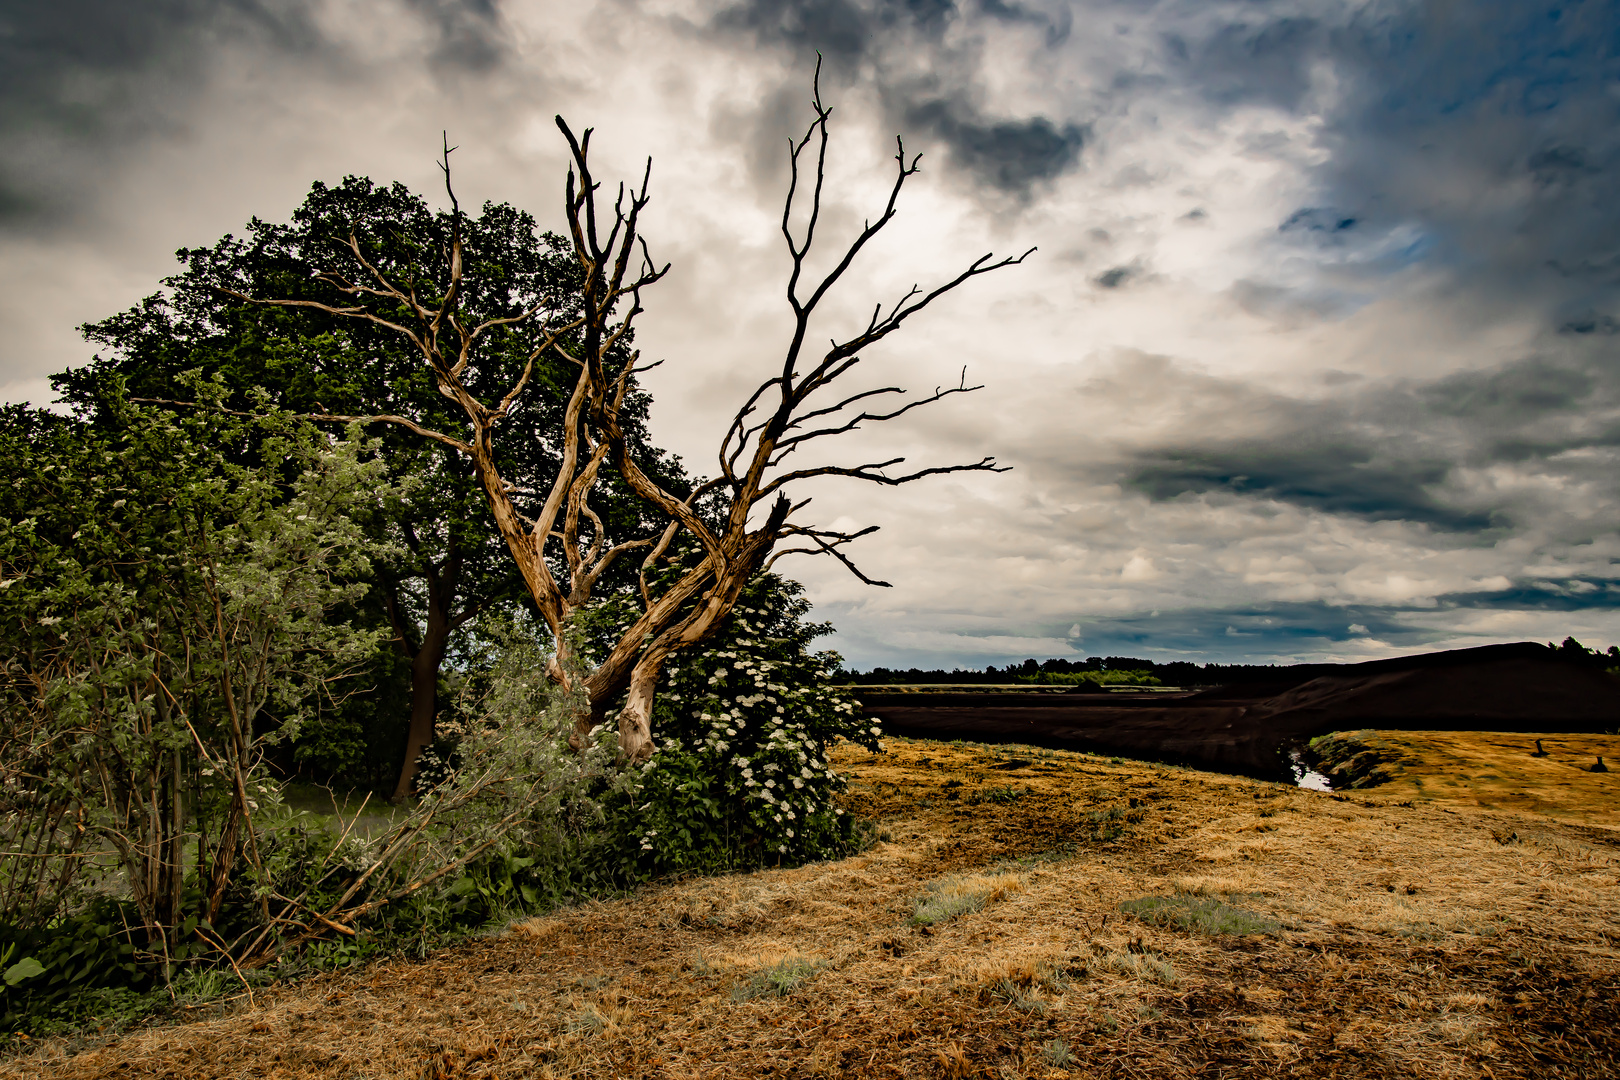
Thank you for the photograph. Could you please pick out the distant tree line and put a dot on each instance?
(1142, 671)
(1576, 653)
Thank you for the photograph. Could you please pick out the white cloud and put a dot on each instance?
(1210, 416)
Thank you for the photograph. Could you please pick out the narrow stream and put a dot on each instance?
(1304, 775)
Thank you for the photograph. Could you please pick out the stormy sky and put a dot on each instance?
(1317, 357)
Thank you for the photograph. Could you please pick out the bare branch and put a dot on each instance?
(865, 472)
(856, 421)
(316, 305)
(828, 543)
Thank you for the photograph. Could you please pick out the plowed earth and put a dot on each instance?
(1403, 942)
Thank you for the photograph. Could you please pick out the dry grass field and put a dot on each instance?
(1297, 934)
(1499, 771)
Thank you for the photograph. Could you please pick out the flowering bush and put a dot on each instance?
(743, 724)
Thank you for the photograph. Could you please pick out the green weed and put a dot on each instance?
(777, 980)
(956, 895)
(1204, 915)
(1057, 1053)
(1101, 826)
(1019, 997)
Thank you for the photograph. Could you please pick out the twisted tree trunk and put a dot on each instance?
(780, 419)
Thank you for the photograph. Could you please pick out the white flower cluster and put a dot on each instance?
(755, 712)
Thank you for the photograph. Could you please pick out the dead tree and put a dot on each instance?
(793, 408)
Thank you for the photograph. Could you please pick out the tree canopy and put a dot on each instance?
(450, 564)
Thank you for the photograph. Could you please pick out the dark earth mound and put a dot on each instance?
(1250, 728)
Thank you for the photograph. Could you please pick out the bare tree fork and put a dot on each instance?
(754, 445)
(714, 538)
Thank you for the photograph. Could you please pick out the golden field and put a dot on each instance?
(1461, 921)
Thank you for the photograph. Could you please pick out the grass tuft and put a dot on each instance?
(961, 894)
(598, 1019)
(1019, 996)
(1102, 826)
(1142, 965)
(777, 980)
(1203, 915)
(1057, 1053)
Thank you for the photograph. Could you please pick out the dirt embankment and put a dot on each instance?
(1248, 729)
(1325, 935)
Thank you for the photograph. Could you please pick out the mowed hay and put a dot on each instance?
(1409, 942)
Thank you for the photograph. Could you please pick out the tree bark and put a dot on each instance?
(443, 581)
(635, 719)
(424, 698)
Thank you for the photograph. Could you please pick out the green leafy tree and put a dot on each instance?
(164, 621)
(450, 565)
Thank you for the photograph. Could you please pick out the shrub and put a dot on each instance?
(740, 776)
(503, 832)
(167, 615)
(1122, 677)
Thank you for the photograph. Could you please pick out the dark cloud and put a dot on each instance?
(1010, 155)
(1535, 409)
(1238, 633)
(1591, 323)
(1515, 394)
(63, 64)
(1345, 477)
(469, 39)
(1318, 221)
(1248, 61)
(1247, 633)
(1559, 165)
(1392, 451)
(1115, 277)
(1490, 131)
(842, 31)
(1057, 29)
(1574, 593)
(1494, 127)
(1257, 632)
(83, 80)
